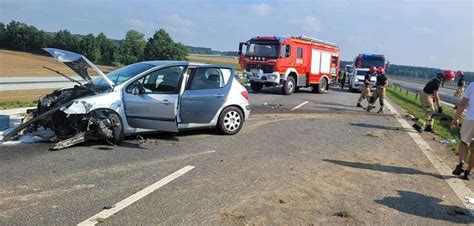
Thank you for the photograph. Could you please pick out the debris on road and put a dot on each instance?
(449, 141)
(4, 122)
(344, 214)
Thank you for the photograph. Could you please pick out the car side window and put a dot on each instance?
(165, 80)
(210, 78)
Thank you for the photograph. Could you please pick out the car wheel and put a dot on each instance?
(256, 86)
(231, 121)
(321, 87)
(289, 86)
(117, 129)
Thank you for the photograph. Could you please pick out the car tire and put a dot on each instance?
(350, 88)
(117, 130)
(256, 86)
(321, 87)
(289, 86)
(230, 121)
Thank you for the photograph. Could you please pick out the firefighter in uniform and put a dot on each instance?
(365, 91)
(428, 98)
(381, 85)
(461, 84)
(343, 75)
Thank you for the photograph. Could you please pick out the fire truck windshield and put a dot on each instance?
(366, 63)
(262, 49)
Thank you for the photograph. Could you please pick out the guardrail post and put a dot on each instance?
(406, 94)
(416, 96)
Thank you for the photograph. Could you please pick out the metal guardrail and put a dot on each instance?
(447, 84)
(444, 98)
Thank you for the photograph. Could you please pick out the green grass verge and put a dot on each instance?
(413, 106)
(17, 104)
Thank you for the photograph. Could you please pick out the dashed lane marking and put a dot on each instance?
(135, 197)
(458, 186)
(300, 105)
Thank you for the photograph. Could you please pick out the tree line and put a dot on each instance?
(209, 51)
(415, 71)
(99, 49)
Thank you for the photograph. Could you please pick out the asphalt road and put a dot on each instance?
(325, 162)
(446, 95)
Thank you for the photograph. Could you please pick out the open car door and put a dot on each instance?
(151, 101)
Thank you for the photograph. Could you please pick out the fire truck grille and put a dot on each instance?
(266, 68)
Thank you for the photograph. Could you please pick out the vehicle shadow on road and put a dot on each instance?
(426, 206)
(383, 168)
(372, 126)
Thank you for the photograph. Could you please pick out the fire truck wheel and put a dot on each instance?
(321, 87)
(256, 86)
(289, 86)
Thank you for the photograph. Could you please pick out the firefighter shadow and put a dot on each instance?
(373, 126)
(421, 205)
(385, 168)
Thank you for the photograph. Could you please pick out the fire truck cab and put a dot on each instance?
(290, 63)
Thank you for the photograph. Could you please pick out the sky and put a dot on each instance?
(431, 33)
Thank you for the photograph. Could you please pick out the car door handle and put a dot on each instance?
(218, 95)
(166, 102)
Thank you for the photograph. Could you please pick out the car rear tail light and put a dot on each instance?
(245, 94)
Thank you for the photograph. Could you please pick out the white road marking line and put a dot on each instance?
(135, 197)
(456, 184)
(300, 105)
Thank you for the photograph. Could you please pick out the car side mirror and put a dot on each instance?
(138, 89)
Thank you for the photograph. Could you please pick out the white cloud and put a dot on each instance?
(260, 9)
(136, 23)
(308, 23)
(179, 21)
(422, 30)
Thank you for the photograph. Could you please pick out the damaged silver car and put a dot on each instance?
(147, 96)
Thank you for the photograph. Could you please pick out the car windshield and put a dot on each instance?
(361, 72)
(366, 63)
(122, 74)
(263, 49)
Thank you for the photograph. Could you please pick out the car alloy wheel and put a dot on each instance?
(232, 121)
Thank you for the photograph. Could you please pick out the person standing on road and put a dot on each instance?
(343, 75)
(381, 85)
(428, 97)
(365, 91)
(467, 131)
(461, 85)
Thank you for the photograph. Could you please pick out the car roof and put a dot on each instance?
(176, 62)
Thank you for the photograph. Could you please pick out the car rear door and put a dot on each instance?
(205, 93)
(151, 101)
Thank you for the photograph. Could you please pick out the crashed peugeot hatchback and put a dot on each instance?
(148, 96)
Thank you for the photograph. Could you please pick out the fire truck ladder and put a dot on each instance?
(305, 38)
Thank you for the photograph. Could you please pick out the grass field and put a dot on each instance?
(209, 59)
(22, 64)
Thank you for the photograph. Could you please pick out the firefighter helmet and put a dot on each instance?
(461, 73)
(372, 69)
(449, 75)
(381, 70)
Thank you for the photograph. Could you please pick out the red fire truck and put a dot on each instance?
(289, 63)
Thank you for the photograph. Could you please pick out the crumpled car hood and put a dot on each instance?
(78, 63)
